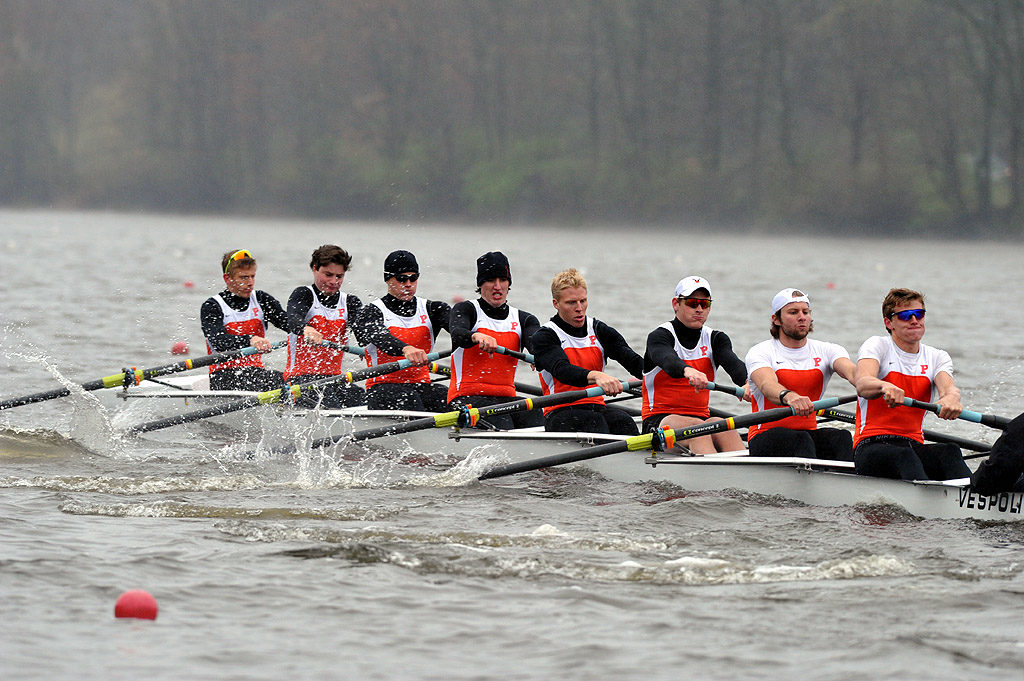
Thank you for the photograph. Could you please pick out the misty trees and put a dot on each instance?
(890, 115)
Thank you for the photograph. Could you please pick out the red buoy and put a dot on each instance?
(136, 603)
(188, 283)
(179, 348)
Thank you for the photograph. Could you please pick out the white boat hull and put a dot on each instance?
(810, 481)
(805, 480)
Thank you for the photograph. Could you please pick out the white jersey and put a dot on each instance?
(808, 368)
(804, 370)
(914, 373)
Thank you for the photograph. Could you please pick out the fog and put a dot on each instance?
(884, 118)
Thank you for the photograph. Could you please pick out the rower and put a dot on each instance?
(570, 350)
(681, 357)
(398, 326)
(792, 370)
(889, 442)
(237, 318)
(317, 313)
(479, 377)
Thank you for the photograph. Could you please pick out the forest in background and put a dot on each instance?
(885, 116)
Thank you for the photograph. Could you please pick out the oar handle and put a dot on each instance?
(524, 356)
(351, 349)
(731, 389)
(991, 420)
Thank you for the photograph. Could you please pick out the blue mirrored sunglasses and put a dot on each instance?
(906, 315)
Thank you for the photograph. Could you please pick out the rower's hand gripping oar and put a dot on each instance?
(466, 417)
(277, 395)
(967, 415)
(136, 376)
(662, 438)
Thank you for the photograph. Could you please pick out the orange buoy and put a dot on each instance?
(179, 348)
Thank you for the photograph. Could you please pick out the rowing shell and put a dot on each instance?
(810, 481)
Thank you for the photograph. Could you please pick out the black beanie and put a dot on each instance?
(492, 265)
(398, 262)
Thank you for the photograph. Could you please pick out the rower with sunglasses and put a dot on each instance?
(889, 441)
(402, 326)
(793, 370)
(237, 318)
(681, 358)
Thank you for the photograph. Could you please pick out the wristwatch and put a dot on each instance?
(782, 397)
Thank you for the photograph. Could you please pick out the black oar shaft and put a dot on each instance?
(214, 410)
(556, 460)
(36, 397)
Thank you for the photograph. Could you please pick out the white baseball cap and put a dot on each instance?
(787, 296)
(688, 285)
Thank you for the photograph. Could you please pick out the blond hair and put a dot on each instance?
(570, 278)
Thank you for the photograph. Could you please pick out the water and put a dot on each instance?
(296, 567)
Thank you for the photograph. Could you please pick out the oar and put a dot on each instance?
(847, 417)
(730, 389)
(277, 395)
(136, 376)
(647, 440)
(466, 417)
(990, 420)
(524, 356)
(351, 349)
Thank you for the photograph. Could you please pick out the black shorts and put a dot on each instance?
(834, 444)
(898, 457)
(246, 378)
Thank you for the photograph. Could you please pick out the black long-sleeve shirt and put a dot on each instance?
(211, 316)
(463, 317)
(549, 355)
(301, 300)
(370, 327)
(661, 352)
